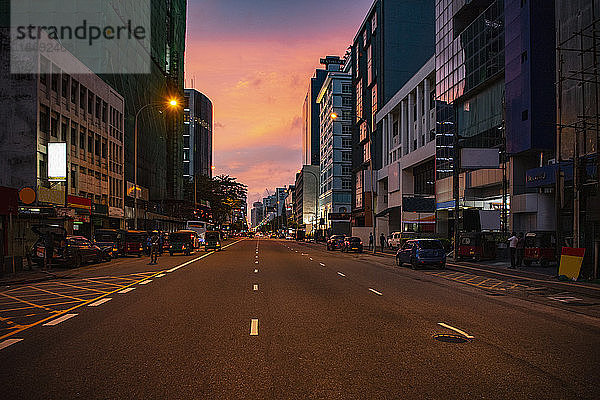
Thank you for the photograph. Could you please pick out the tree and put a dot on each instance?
(224, 193)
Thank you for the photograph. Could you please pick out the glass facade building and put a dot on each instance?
(470, 76)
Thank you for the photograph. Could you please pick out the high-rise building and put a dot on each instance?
(160, 135)
(335, 192)
(307, 194)
(256, 214)
(310, 120)
(393, 42)
(197, 139)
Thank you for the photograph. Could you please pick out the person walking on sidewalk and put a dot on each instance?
(154, 244)
(382, 241)
(520, 249)
(370, 240)
(512, 245)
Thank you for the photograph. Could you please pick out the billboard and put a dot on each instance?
(57, 162)
(473, 158)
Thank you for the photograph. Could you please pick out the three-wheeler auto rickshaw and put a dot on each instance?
(183, 241)
(540, 246)
(212, 240)
(477, 246)
(132, 242)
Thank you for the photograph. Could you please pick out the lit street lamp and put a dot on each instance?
(171, 103)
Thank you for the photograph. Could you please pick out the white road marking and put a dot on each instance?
(565, 299)
(99, 302)
(310, 258)
(59, 320)
(126, 290)
(304, 254)
(159, 276)
(255, 262)
(255, 288)
(340, 274)
(8, 342)
(254, 327)
(256, 271)
(465, 334)
(199, 258)
(321, 264)
(146, 282)
(376, 292)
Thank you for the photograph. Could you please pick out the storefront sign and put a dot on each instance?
(80, 203)
(115, 212)
(51, 196)
(57, 162)
(339, 216)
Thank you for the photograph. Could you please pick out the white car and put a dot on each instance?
(394, 240)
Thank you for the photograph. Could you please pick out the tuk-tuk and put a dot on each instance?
(184, 241)
(132, 242)
(540, 246)
(477, 246)
(212, 240)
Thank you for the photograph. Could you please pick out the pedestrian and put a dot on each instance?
(161, 243)
(520, 249)
(154, 244)
(48, 251)
(512, 245)
(382, 241)
(148, 245)
(370, 240)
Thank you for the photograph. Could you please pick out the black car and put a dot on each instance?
(108, 241)
(335, 242)
(352, 243)
(68, 251)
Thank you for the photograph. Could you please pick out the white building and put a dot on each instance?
(406, 182)
(335, 193)
(307, 192)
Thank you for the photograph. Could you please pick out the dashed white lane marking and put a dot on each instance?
(465, 334)
(310, 258)
(565, 299)
(8, 342)
(304, 254)
(159, 276)
(199, 258)
(256, 271)
(99, 302)
(255, 262)
(126, 290)
(254, 327)
(340, 274)
(59, 320)
(321, 264)
(146, 282)
(255, 288)
(376, 292)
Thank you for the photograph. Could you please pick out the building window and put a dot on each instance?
(346, 88)
(65, 86)
(346, 184)
(373, 23)
(523, 57)
(346, 101)
(44, 70)
(82, 96)
(54, 127)
(74, 135)
(346, 170)
(64, 129)
(82, 139)
(346, 143)
(54, 83)
(97, 146)
(525, 115)
(44, 119)
(90, 143)
(369, 65)
(346, 156)
(74, 91)
(90, 103)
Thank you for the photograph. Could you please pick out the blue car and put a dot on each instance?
(422, 252)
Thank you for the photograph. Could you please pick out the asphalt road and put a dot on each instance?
(270, 319)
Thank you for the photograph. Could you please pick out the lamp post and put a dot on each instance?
(171, 103)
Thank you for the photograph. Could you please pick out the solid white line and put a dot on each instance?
(99, 302)
(146, 282)
(340, 274)
(8, 342)
(255, 288)
(254, 327)
(256, 271)
(126, 290)
(59, 320)
(465, 334)
(159, 276)
(199, 258)
(376, 292)
(321, 264)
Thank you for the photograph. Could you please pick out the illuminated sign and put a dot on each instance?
(57, 162)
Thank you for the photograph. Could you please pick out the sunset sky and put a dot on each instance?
(253, 59)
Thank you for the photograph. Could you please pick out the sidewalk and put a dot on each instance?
(33, 276)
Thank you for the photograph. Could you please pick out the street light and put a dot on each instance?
(171, 103)
(333, 115)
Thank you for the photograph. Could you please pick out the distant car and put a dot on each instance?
(421, 252)
(108, 241)
(212, 240)
(352, 244)
(289, 237)
(335, 242)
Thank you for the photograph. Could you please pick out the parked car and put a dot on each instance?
(132, 242)
(352, 243)
(335, 242)
(421, 252)
(212, 240)
(108, 241)
(183, 241)
(393, 241)
(69, 251)
(540, 247)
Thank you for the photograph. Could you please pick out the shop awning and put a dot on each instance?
(387, 211)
